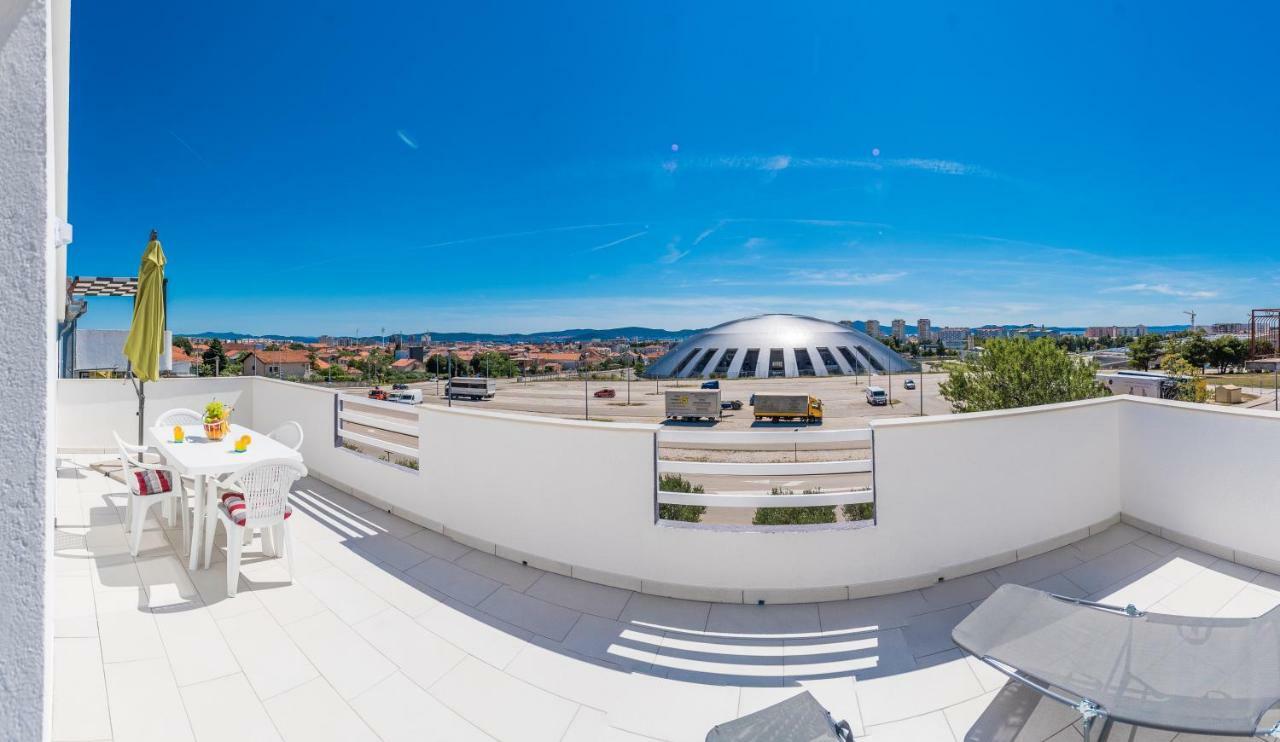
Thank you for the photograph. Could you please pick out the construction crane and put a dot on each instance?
(1192, 315)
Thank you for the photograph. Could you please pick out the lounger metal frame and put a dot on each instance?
(1089, 710)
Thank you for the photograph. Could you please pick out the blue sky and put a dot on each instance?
(327, 167)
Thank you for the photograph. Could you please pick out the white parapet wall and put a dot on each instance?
(954, 494)
(1204, 476)
(90, 410)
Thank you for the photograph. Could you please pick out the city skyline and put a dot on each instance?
(677, 168)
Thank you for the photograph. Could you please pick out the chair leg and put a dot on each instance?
(128, 510)
(269, 542)
(233, 560)
(288, 546)
(210, 528)
(185, 514)
(248, 536)
(138, 518)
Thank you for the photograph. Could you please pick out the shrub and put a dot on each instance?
(687, 513)
(794, 516)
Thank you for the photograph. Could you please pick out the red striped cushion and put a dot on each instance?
(236, 508)
(152, 482)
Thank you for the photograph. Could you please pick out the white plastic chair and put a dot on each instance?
(180, 416)
(289, 434)
(186, 418)
(148, 484)
(255, 497)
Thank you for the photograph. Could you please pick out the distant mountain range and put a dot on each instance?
(584, 334)
(574, 335)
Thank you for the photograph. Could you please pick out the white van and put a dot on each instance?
(877, 396)
(405, 396)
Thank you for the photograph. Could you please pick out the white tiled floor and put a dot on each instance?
(394, 632)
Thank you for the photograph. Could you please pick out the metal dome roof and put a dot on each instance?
(777, 345)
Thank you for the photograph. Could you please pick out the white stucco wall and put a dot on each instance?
(27, 286)
(1205, 476)
(89, 410)
(955, 494)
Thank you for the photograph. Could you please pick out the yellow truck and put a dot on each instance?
(791, 407)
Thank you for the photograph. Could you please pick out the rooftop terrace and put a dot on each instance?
(392, 631)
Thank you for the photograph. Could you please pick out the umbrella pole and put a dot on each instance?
(142, 399)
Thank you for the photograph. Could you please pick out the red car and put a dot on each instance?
(606, 393)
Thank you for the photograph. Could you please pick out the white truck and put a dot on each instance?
(471, 387)
(1155, 384)
(695, 404)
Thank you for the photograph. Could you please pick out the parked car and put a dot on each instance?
(731, 404)
(909, 384)
(378, 393)
(713, 384)
(606, 393)
(399, 387)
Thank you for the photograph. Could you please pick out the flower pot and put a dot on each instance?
(216, 431)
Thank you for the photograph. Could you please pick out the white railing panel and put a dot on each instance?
(397, 406)
(790, 436)
(369, 440)
(381, 423)
(744, 500)
(787, 468)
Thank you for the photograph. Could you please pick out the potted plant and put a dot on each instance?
(217, 422)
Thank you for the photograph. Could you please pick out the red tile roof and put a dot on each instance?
(282, 356)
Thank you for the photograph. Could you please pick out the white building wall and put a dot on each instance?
(1204, 476)
(28, 286)
(89, 410)
(578, 497)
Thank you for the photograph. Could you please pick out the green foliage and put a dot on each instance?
(184, 343)
(1192, 348)
(297, 346)
(438, 363)
(794, 516)
(1228, 351)
(215, 357)
(1143, 351)
(1018, 372)
(859, 511)
(688, 513)
(408, 463)
(1191, 388)
(494, 364)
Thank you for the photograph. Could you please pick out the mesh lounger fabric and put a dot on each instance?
(798, 719)
(1205, 675)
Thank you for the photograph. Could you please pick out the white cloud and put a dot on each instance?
(844, 278)
(707, 233)
(408, 140)
(1163, 289)
(777, 162)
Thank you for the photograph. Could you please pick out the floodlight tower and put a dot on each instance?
(1192, 315)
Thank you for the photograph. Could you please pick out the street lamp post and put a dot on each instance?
(921, 386)
(586, 398)
(448, 390)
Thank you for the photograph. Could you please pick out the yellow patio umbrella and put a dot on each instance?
(146, 333)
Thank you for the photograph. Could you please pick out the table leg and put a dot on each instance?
(197, 523)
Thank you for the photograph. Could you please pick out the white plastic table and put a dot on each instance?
(198, 457)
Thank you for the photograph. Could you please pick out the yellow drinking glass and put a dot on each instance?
(178, 434)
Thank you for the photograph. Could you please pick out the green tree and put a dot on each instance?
(1193, 348)
(687, 513)
(1227, 351)
(1143, 351)
(214, 357)
(297, 346)
(1019, 373)
(184, 343)
(1191, 388)
(794, 516)
(859, 511)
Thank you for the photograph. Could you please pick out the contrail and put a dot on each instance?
(468, 240)
(404, 137)
(617, 242)
(190, 149)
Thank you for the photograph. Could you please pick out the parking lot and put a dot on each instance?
(843, 399)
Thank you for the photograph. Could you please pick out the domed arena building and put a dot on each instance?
(777, 345)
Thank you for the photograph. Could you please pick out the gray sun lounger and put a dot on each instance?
(1177, 673)
(798, 719)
